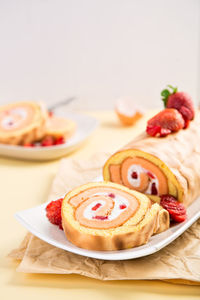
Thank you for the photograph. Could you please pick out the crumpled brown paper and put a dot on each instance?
(179, 260)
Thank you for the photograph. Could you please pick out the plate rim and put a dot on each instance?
(65, 145)
(110, 255)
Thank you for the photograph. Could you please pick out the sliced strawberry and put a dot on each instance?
(29, 145)
(176, 209)
(101, 218)
(167, 121)
(96, 206)
(50, 113)
(154, 190)
(150, 175)
(111, 195)
(59, 141)
(179, 218)
(47, 141)
(134, 175)
(155, 130)
(122, 206)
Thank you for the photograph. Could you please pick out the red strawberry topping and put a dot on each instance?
(59, 141)
(155, 130)
(150, 175)
(180, 101)
(122, 206)
(134, 175)
(167, 121)
(154, 189)
(96, 206)
(29, 145)
(47, 141)
(176, 209)
(101, 218)
(50, 113)
(53, 212)
(111, 195)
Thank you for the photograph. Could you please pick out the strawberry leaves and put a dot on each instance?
(174, 89)
(166, 93)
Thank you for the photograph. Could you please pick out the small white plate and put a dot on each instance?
(36, 222)
(85, 126)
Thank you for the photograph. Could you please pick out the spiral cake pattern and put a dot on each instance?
(108, 216)
(159, 166)
(21, 122)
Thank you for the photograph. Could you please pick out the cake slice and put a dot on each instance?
(57, 127)
(160, 166)
(22, 123)
(108, 216)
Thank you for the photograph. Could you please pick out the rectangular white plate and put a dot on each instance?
(36, 222)
(85, 126)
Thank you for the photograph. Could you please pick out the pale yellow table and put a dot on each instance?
(26, 184)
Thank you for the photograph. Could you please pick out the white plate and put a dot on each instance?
(85, 126)
(35, 221)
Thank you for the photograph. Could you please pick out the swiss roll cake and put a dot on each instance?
(21, 122)
(109, 216)
(59, 127)
(159, 166)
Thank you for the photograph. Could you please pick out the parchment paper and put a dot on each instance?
(179, 261)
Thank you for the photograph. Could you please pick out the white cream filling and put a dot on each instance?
(20, 111)
(135, 182)
(116, 211)
(9, 121)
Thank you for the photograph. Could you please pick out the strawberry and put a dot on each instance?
(59, 141)
(29, 145)
(50, 113)
(53, 212)
(166, 121)
(175, 209)
(180, 101)
(47, 141)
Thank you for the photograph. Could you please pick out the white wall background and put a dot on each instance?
(98, 50)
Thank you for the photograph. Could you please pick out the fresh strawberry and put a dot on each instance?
(53, 212)
(180, 101)
(59, 141)
(50, 113)
(157, 130)
(47, 141)
(175, 209)
(167, 121)
(29, 145)
(187, 123)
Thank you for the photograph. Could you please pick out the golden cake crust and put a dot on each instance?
(177, 155)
